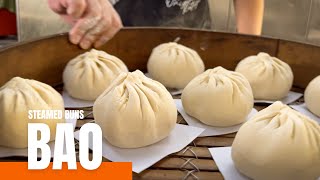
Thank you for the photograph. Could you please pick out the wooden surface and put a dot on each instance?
(44, 60)
(304, 60)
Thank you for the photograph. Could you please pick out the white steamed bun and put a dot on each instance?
(218, 97)
(312, 96)
(135, 111)
(17, 97)
(174, 65)
(89, 74)
(269, 77)
(278, 143)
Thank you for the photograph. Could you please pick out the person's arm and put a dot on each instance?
(249, 15)
(94, 21)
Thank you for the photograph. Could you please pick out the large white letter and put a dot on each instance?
(34, 144)
(95, 133)
(64, 138)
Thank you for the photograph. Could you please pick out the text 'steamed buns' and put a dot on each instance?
(218, 97)
(312, 96)
(174, 65)
(269, 77)
(17, 97)
(278, 143)
(89, 74)
(135, 111)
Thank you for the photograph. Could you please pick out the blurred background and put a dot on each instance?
(294, 20)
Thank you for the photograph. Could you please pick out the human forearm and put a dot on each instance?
(249, 15)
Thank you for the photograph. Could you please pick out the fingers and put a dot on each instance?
(90, 20)
(93, 34)
(73, 8)
(69, 19)
(76, 8)
(99, 24)
(56, 6)
(116, 25)
(94, 21)
(106, 28)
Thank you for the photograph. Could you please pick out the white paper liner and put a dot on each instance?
(172, 91)
(175, 92)
(209, 130)
(290, 98)
(70, 102)
(144, 157)
(304, 110)
(222, 158)
(10, 152)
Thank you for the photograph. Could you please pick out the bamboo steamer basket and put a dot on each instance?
(45, 59)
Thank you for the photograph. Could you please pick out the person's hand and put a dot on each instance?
(94, 21)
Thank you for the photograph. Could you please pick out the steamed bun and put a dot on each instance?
(135, 111)
(174, 65)
(218, 97)
(278, 143)
(269, 77)
(17, 97)
(89, 74)
(312, 96)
